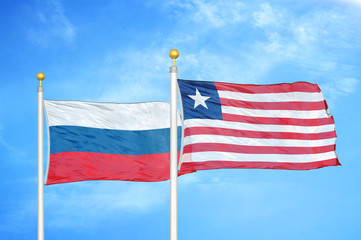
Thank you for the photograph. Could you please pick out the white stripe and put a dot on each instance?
(257, 141)
(239, 157)
(310, 114)
(257, 127)
(136, 116)
(273, 97)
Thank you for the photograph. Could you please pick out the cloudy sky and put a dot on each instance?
(117, 51)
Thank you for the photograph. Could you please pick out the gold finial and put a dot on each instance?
(40, 76)
(173, 54)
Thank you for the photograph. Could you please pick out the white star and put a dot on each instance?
(199, 99)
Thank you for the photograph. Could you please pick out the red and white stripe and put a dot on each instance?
(284, 126)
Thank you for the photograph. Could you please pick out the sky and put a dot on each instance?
(117, 51)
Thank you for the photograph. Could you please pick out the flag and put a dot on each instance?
(282, 126)
(108, 141)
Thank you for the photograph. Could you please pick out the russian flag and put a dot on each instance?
(108, 141)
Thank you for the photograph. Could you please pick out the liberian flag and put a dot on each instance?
(282, 126)
(108, 141)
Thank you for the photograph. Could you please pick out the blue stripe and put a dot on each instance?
(85, 139)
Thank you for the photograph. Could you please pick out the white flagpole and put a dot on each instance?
(173, 148)
(40, 76)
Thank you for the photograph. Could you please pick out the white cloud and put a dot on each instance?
(352, 2)
(312, 41)
(132, 76)
(268, 16)
(218, 15)
(306, 41)
(214, 14)
(341, 87)
(52, 24)
(338, 87)
(347, 85)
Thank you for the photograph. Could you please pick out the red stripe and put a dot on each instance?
(194, 166)
(278, 121)
(81, 166)
(277, 88)
(299, 106)
(257, 134)
(233, 148)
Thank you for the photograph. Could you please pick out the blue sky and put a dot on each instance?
(118, 51)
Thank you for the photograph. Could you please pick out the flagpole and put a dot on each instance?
(173, 148)
(40, 76)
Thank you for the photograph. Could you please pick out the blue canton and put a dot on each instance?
(206, 89)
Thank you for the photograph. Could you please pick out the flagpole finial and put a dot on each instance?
(40, 76)
(173, 54)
